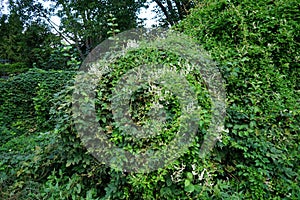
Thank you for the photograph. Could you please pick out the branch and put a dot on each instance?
(164, 10)
(52, 24)
(180, 9)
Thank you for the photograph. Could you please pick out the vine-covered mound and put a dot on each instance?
(256, 44)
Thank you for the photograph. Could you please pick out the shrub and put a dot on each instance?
(255, 44)
(28, 155)
(23, 98)
(121, 185)
(11, 69)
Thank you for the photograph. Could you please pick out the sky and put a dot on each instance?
(149, 15)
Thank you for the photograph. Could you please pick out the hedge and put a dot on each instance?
(14, 68)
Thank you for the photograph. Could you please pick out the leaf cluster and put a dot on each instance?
(256, 45)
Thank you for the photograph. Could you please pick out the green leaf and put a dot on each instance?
(187, 182)
(190, 176)
(189, 188)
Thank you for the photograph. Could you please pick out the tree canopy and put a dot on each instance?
(173, 10)
(83, 25)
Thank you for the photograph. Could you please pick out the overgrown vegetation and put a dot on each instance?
(256, 45)
(11, 69)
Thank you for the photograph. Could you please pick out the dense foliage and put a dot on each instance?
(25, 99)
(26, 43)
(28, 33)
(255, 44)
(82, 23)
(10, 69)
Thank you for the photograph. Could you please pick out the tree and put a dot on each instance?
(29, 43)
(173, 10)
(38, 44)
(84, 23)
(11, 28)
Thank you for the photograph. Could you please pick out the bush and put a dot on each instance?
(28, 155)
(120, 185)
(24, 100)
(255, 44)
(10, 69)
